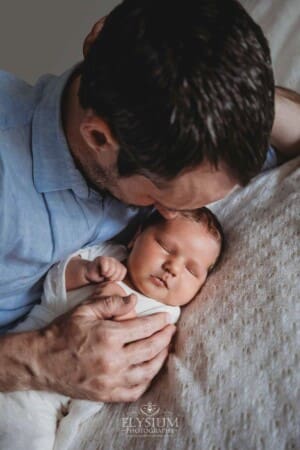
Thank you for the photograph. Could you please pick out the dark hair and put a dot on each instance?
(182, 82)
(201, 215)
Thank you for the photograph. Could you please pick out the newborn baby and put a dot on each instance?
(164, 266)
(168, 263)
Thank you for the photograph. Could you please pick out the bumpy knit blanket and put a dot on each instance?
(234, 377)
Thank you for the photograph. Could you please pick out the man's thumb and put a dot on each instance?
(113, 305)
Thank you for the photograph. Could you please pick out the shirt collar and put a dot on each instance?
(53, 165)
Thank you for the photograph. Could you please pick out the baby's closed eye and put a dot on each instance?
(164, 245)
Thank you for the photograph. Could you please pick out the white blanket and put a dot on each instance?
(233, 381)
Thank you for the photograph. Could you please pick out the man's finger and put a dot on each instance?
(107, 307)
(129, 394)
(143, 327)
(147, 349)
(144, 373)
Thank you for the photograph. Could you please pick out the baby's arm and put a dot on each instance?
(81, 272)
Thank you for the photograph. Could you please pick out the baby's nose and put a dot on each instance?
(172, 266)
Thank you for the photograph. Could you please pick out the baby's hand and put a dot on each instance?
(105, 268)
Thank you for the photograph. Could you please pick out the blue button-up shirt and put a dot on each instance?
(47, 210)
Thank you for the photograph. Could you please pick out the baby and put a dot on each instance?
(165, 265)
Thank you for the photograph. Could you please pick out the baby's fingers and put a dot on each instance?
(112, 269)
(122, 272)
(119, 272)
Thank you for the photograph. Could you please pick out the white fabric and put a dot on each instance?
(28, 420)
(146, 306)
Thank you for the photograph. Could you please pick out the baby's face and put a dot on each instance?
(170, 261)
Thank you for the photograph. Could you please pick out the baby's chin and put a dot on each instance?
(168, 297)
(150, 289)
(161, 294)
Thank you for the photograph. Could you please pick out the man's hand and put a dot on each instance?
(84, 354)
(105, 268)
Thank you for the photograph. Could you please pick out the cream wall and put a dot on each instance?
(38, 36)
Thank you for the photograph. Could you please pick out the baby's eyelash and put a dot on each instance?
(163, 246)
(191, 272)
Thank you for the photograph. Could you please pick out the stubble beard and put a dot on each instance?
(100, 179)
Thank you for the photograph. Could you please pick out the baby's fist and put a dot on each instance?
(106, 268)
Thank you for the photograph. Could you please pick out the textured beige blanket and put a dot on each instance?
(234, 379)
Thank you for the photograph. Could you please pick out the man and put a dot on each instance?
(170, 108)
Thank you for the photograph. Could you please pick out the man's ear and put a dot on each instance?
(96, 133)
(92, 36)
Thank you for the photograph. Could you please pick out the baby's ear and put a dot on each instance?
(134, 238)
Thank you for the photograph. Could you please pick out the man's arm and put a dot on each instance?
(17, 361)
(84, 354)
(285, 136)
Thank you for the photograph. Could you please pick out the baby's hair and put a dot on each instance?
(201, 215)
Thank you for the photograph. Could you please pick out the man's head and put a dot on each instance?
(173, 89)
(171, 259)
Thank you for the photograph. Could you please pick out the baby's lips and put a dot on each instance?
(162, 279)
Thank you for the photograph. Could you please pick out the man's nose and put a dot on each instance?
(167, 213)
